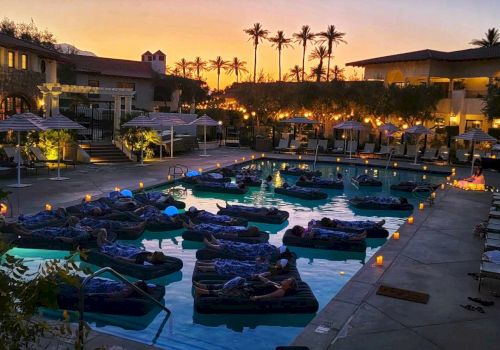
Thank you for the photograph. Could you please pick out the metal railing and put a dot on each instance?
(389, 158)
(424, 193)
(81, 298)
(177, 170)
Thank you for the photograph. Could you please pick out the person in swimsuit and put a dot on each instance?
(319, 233)
(243, 268)
(359, 224)
(44, 217)
(248, 251)
(227, 231)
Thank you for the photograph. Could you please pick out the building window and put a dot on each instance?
(11, 59)
(473, 124)
(161, 58)
(24, 61)
(150, 58)
(12, 105)
(93, 83)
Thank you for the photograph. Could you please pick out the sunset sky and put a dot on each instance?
(208, 28)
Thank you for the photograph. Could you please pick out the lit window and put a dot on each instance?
(11, 59)
(24, 61)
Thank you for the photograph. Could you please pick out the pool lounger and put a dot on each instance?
(302, 301)
(129, 230)
(129, 306)
(280, 217)
(331, 244)
(47, 223)
(143, 199)
(142, 272)
(321, 184)
(199, 275)
(409, 186)
(371, 205)
(370, 182)
(198, 236)
(250, 181)
(206, 253)
(378, 232)
(193, 180)
(301, 172)
(159, 226)
(220, 189)
(307, 195)
(232, 221)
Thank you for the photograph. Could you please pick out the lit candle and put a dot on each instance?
(141, 185)
(48, 207)
(243, 158)
(366, 161)
(169, 177)
(394, 173)
(442, 186)
(217, 165)
(253, 157)
(88, 197)
(410, 220)
(395, 164)
(200, 170)
(421, 206)
(433, 195)
(424, 177)
(453, 170)
(263, 155)
(338, 159)
(395, 235)
(448, 178)
(117, 189)
(300, 157)
(380, 260)
(342, 273)
(3, 208)
(236, 160)
(424, 167)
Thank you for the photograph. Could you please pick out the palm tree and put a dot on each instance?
(257, 34)
(280, 42)
(338, 73)
(302, 38)
(492, 38)
(199, 65)
(236, 66)
(317, 73)
(296, 71)
(331, 36)
(218, 64)
(319, 53)
(183, 65)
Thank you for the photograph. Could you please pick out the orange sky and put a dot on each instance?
(208, 28)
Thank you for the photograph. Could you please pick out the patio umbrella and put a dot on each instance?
(169, 120)
(18, 123)
(388, 129)
(417, 130)
(204, 120)
(60, 122)
(350, 125)
(475, 135)
(143, 121)
(298, 120)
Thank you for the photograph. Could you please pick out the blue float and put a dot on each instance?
(171, 210)
(192, 173)
(127, 193)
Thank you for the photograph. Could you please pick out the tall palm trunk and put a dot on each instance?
(298, 77)
(218, 78)
(236, 73)
(279, 65)
(255, 63)
(303, 62)
(328, 65)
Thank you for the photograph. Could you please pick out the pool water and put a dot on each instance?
(325, 271)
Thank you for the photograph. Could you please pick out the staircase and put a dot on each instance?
(105, 153)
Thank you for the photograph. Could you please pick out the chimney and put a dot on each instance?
(159, 62)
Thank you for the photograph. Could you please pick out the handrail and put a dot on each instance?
(389, 158)
(418, 192)
(315, 156)
(81, 299)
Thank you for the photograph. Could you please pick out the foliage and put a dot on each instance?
(28, 32)
(330, 36)
(192, 90)
(236, 66)
(140, 138)
(48, 141)
(218, 64)
(491, 39)
(491, 101)
(257, 34)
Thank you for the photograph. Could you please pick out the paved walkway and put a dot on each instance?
(433, 256)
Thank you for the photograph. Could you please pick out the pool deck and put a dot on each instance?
(432, 256)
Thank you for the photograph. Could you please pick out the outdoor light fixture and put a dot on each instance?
(3, 208)
(421, 206)
(48, 207)
(263, 155)
(395, 235)
(411, 220)
(424, 167)
(88, 197)
(141, 185)
(395, 164)
(380, 260)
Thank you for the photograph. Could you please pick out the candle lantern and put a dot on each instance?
(263, 155)
(218, 165)
(433, 195)
(411, 220)
(3, 208)
(395, 235)
(88, 197)
(380, 260)
(442, 186)
(117, 189)
(338, 159)
(395, 164)
(48, 207)
(421, 206)
(141, 185)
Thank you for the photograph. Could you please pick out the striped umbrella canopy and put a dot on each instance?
(417, 130)
(389, 128)
(142, 121)
(299, 120)
(204, 120)
(18, 123)
(168, 120)
(475, 135)
(350, 125)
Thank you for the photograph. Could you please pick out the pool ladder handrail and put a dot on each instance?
(81, 299)
(315, 156)
(389, 158)
(419, 190)
(172, 170)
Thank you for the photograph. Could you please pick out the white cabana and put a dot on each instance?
(475, 135)
(18, 123)
(143, 121)
(350, 125)
(60, 122)
(417, 130)
(204, 120)
(168, 120)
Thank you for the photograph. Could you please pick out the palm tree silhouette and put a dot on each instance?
(338, 73)
(319, 53)
(200, 66)
(257, 34)
(492, 38)
(317, 73)
(297, 71)
(302, 38)
(330, 37)
(280, 42)
(217, 65)
(236, 66)
(183, 65)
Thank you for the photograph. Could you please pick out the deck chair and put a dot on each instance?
(384, 150)
(352, 146)
(294, 146)
(369, 148)
(338, 146)
(322, 145)
(488, 270)
(282, 146)
(444, 153)
(311, 145)
(11, 153)
(462, 156)
(399, 151)
(411, 150)
(430, 154)
(37, 152)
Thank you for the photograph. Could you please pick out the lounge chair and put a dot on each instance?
(411, 150)
(384, 150)
(37, 152)
(338, 146)
(294, 146)
(352, 146)
(488, 270)
(430, 155)
(399, 151)
(322, 145)
(11, 153)
(311, 145)
(444, 153)
(462, 156)
(369, 148)
(282, 146)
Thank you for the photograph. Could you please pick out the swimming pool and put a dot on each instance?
(325, 271)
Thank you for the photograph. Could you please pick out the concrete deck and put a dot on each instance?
(432, 256)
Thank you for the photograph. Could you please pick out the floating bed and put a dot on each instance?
(207, 253)
(374, 232)
(410, 186)
(332, 243)
(206, 217)
(265, 215)
(249, 180)
(320, 183)
(300, 172)
(379, 204)
(158, 200)
(365, 181)
(214, 276)
(302, 193)
(193, 180)
(198, 236)
(220, 188)
(126, 230)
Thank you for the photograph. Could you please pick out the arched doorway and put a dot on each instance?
(13, 104)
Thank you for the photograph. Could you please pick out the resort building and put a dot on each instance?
(463, 76)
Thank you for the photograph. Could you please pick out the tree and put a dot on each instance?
(492, 38)
(280, 42)
(305, 35)
(319, 53)
(28, 32)
(257, 34)
(200, 66)
(331, 36)
(338, 73)
(236, 66)
(217, 65)
(491, 101)
(296, 71)
(317, 73)
(183, 65)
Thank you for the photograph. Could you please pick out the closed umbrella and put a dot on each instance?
(60, 122)
(350, 125)
(143, 121)
(417, 130)
(169, 120)
(204, 120)
(18, 123)
(476, 135)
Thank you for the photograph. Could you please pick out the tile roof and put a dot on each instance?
(483, 53)
(19, 44)
(112, 66)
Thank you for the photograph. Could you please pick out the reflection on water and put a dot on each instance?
(325, 271)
